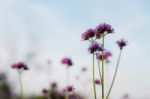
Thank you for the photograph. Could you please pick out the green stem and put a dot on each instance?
(67, 81)
(103, 67)
(114, 75)
(21, 86)
(93, 71)
(99, 69)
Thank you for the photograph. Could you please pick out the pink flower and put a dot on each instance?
(20, 65)
(88, 34)
(67, 61)
(70, 88)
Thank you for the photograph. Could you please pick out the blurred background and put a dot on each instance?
(42, 32)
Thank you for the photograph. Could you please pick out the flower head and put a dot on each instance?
(84, 69)
(102, 28)
(67, 61)
(70, 88)
(20, 65)
(94, 47)
(88, 34)
(121, 43)
(53, 85)
(44, 91)
(97, 81)
(106, 55)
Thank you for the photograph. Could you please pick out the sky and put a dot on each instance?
(51, 29)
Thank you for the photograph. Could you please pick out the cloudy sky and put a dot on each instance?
(51, 29)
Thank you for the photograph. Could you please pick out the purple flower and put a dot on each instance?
(97, 81)
(88, 34)
(121, 43)
(94, 47)
(84, 69)
(53, 85)
(67, 61)
(44, 91)
(70, 88)
(20, 65)
(106, 55)
(102, 28)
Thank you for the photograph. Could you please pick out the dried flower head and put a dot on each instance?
(88, 34)
(121, 43)
(70, 88)
(97, 81)
(106, 55)
(94, 47)
(67, 61)
(103, 28)
(20, 65)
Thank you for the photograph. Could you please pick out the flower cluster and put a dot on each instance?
(106, 55)
(70, 88)
(94, 47)
(98, 32)
(19, 66)
(97, 81)
(121, 43)
(67, 61)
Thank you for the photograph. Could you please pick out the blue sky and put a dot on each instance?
(53, 28)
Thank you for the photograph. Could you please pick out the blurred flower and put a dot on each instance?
(20, 65)
(97, 81)
(88, 34)
(84, 69)
(121, 43)
(53, 85)
(106, 55)
(44, 91)
(70, 88)
(67, 61)
(102, 28)
(94, 47)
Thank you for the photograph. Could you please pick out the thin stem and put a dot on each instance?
(21, 86)
(114, 75)
(99, 69)
(93, 71)
(103, 67)
(67, 81)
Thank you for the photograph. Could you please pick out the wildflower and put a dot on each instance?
(70, 88)
(121, 43)
(84, 69)
(53, 85)
(67, 61)
(102, 28)
(20, 65)
(97, 81)
(106, 55)
(88, 34)
(94, 47)
(44, 91)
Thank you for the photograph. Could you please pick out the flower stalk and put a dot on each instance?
(114, 75)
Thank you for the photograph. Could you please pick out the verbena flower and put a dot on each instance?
(103, 28)
(84, 69)
(106, 55)
(88, 34)
(70, 88)
(20, 65)
(53, 85)
(67, 61)
(121, 43)
(94, 47)
(44, 91)
(97, 81)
